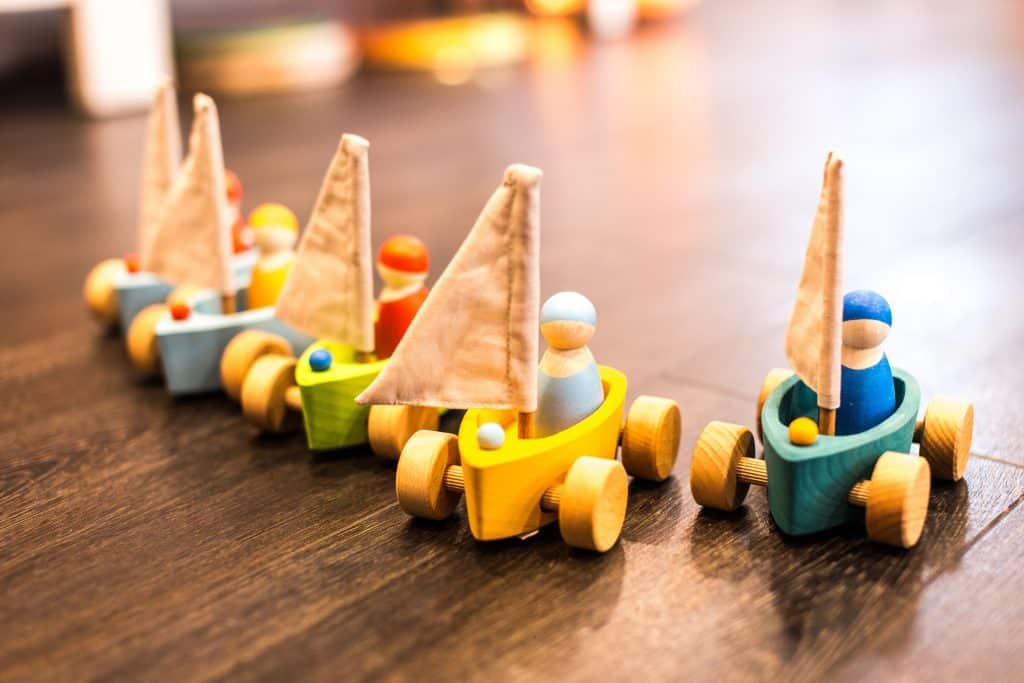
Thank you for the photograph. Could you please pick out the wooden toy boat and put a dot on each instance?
(329, 293)
(817, 482)
(474, 345)
(116, 290)
(192, 243)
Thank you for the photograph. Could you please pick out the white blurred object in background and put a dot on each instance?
(116, 51)
(611, 19)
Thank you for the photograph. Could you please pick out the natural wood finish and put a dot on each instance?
(228, 304)
(552, 498)
(774, 378)
(860, 493)
(141, 339)
(146, 537)
(390, 427)
(420, 478)
(716, 457)
(98, 291)
(526, 423)
(897, 500)
(650, 438)
(592, 504)
(264, 394)
(827, 421)
(945, 436)
(293, 398)
(242, 351)
(752, 471)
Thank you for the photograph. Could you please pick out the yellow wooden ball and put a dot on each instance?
(803, 431)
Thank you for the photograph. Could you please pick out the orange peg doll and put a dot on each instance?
(403, 263)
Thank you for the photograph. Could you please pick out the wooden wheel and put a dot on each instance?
(142, 346)
(390, 427)
(716, 457)
(242, 351)
(897, 503)
(593, 503)
(945, 436)
(98, 292)
(419, 480)
(774, 378)
(650, 439)
(264, 394)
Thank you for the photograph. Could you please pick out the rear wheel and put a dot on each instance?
(244, 350)
(390, 427)
(773, 379)
(897, 502)
(593, 503)
(142, 345)
(716, 457)
(945, 436)
(650, 439)
(419, 479)
(98, 292)
(264, 394)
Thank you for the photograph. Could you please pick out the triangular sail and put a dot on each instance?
(192, 242)
(160, 162)
(329, 292)
(814, 335)
(473, 343)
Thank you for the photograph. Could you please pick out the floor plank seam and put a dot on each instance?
(992, 458)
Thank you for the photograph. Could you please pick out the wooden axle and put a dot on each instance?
(755, 471)
(293, 398)
(454, 482)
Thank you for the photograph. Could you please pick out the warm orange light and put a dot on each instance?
(554, 8)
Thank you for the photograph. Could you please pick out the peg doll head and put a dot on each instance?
(403, 262)
(568, 320)
(867, 319)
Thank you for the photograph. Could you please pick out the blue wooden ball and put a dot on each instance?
(320, 360)
(490, 436)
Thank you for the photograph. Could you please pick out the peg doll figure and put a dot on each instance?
(568, 383)
(274, 231)
(867, 395)
(403, 263)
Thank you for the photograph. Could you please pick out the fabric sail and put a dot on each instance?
(814, 334)
(192, 241)
(329, 291)
(474, 342)
(160, 162)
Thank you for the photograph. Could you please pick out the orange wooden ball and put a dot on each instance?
(131, 263)
(180, 310)
(234, 186)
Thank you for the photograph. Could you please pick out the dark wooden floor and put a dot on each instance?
(143, 537)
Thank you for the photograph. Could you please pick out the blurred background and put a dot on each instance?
(110, 54)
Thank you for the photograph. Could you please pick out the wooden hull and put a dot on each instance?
(331, 416)
(191, 350)
(808, 485)
(503, 487)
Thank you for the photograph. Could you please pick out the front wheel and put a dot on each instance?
(391, 427)
(593, 503)
(419, 479)
(265, 391)
(945, 436)
(98, 291)
(713, 470)
(143, 348)
(650, 439)
(244, 349)
(897, 502)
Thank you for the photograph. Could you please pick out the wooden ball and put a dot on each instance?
(593, 503)
(143, 348)
(803, 431)
(419, 479)
(716, 457)
(650, 439)
(898, 499)
(242, 351)
(391, 427)
(490, 436)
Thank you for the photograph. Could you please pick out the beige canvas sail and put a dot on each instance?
(329, 292)
(192, 242)
(814, 335)
(474, 341)
(160, 162)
